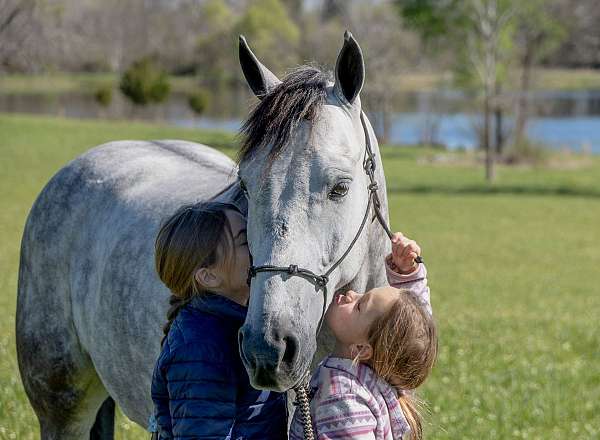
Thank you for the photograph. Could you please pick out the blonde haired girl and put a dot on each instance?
(386, 345)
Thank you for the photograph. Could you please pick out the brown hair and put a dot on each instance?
(404, 342)
(195, 236)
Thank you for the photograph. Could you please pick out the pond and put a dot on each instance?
(559, 119)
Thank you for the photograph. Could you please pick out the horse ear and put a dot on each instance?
(260, 79)
(349, 70)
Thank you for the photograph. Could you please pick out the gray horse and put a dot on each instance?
(90, 306)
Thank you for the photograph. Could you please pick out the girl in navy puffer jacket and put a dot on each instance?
(200, 388)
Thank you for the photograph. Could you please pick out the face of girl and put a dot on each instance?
(240, 259)
(349, 316)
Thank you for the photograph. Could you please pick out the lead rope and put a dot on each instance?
(303, 403)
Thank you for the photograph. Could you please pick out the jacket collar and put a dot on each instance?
(219, 306)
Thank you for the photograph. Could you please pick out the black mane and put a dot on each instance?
(273, 120)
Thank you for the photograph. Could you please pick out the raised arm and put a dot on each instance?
(415, 281)
(404, 273)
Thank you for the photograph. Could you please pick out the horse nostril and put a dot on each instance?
(291, 349)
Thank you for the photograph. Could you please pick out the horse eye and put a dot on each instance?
(339, 190)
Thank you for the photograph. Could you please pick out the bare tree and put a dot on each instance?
(388, 49)
(17, 27)
(489, 21)
(334, 8)
(539, 32)
(581, 46)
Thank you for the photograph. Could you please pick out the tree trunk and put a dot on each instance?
(385, 119)
(498, 118)
(523, 99)
(490, 173)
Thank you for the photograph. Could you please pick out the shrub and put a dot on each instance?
(103, 95)
(198, 101)
(144, 83)
(526, 152)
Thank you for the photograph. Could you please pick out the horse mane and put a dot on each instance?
(273, 120)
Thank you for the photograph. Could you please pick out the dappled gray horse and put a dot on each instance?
(90, 306)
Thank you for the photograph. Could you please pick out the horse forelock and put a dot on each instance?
(274, 119)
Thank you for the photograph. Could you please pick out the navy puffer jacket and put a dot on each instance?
(200, 388)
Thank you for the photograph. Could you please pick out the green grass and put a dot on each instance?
(513, 269)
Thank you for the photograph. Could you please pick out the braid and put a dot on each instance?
(176, 303)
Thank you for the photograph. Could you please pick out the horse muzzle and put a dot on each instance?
(274, 359)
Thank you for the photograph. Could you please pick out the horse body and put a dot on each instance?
(90, 304)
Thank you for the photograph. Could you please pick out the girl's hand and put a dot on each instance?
(404, 252)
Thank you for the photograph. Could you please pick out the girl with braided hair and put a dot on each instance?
(200, 388)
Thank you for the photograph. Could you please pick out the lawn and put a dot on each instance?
(513, 271)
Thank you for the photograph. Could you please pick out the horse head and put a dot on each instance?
(302, 166)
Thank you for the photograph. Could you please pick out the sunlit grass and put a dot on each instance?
(513, 271)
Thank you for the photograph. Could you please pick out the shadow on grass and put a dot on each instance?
(566, 191)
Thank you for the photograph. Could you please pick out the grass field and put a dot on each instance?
(514, 273)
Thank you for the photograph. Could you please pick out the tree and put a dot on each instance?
(388, 48)
(144, 83)
(487, 46)
(272, 34)
(480, 34)
(216, 66)
(335, 8)
(581, 44)
(539, 31)
(18, 25)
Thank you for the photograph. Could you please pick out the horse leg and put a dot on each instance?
(68, 401)
(104, 426)
(77, 413)
(57, 373)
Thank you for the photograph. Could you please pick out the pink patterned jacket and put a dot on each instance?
(351, 401)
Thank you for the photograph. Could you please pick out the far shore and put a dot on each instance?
(63, 82)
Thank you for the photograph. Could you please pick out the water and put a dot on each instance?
(459, 130)
(561, 119)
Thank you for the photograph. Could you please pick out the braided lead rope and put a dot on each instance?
(303, 405)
